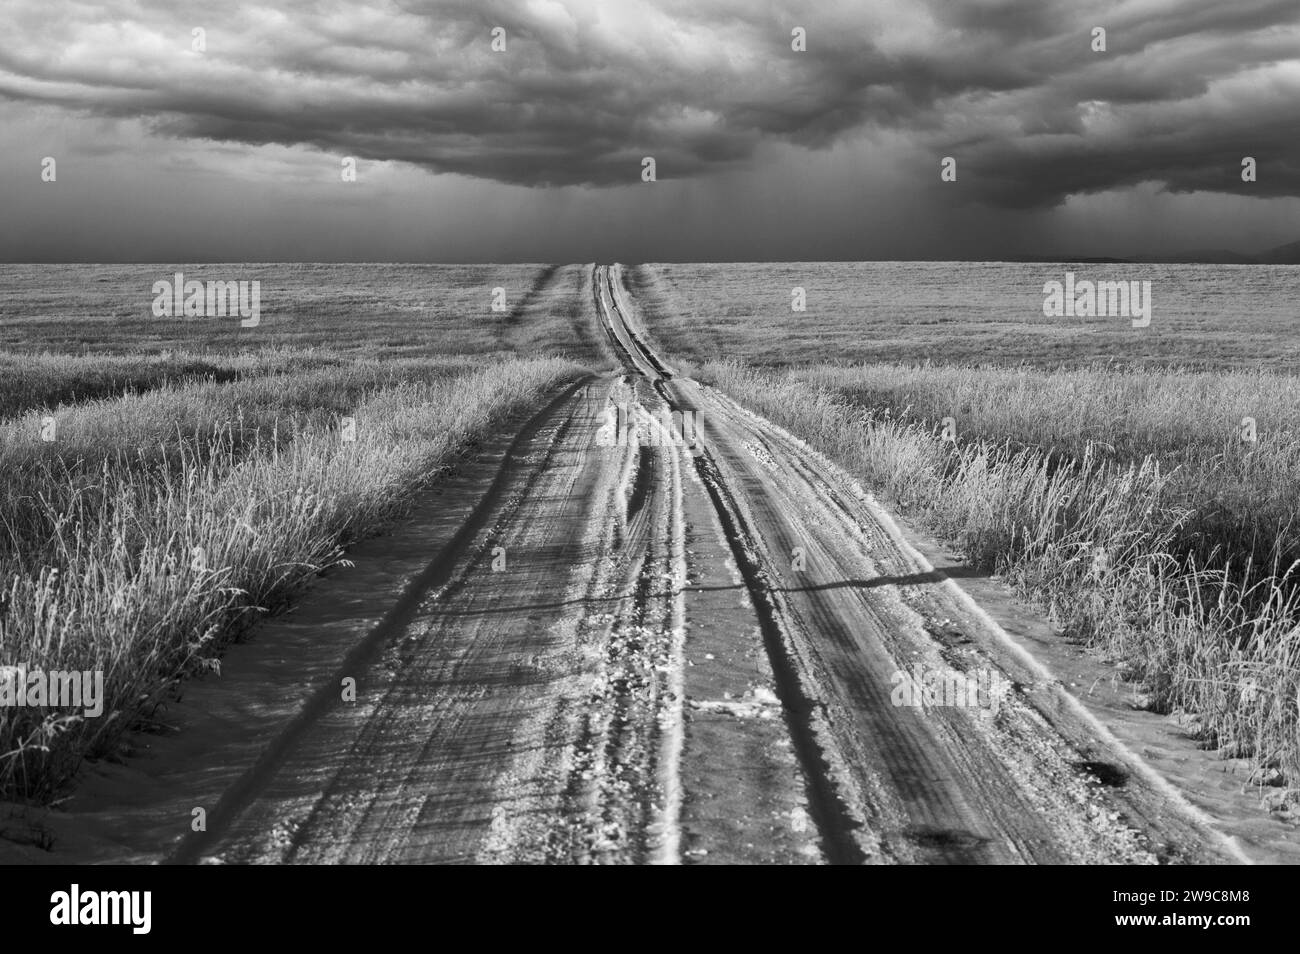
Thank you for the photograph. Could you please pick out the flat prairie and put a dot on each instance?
(1140, 484)
(969, 313)
(574, 629)
(374, 310)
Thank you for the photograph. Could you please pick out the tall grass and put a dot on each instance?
(1116, 545)
(1243, 498)
(138, 432)
(48, 380)
(143, 566)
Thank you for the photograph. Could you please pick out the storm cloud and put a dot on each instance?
(1011, 88)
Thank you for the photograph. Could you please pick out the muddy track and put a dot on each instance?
(843, 612)
(649, 643)
(523, 703)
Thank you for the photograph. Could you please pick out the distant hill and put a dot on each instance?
(1206, 256)
(1281, 255)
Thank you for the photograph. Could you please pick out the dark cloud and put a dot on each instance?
(1009, 87)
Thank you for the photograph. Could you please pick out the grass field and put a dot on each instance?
(158, 525)
(972, 313)
(1150, 564)
(1100, 468)
(197, 478)
(370, 310)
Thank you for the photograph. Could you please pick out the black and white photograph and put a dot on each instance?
(650, 432)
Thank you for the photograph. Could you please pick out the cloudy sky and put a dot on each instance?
(235, 151)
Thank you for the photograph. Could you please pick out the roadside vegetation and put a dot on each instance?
(49, 379)
(160, 523)
(1128, 504)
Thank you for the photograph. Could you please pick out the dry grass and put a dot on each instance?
(47, 380)
(1141, 545)
(1243, 498)
(374, 310)
(197, 479)
(965, 313)
(165, 521)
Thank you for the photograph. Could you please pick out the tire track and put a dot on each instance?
(827, 809)
(523, 702)
(841, 618)
(542, 691)
(236, 798)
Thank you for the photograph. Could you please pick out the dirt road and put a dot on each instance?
(687, 638)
